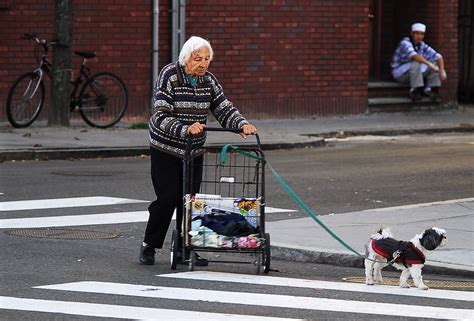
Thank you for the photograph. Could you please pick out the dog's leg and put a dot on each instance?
(378, 272)
(415, 271)
(404, 278)
(369, 267)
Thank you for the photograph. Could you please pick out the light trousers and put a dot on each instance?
(415, 77)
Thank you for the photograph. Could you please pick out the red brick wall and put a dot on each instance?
(275, 58)
(118, 30)
(287, 58)
(442, 19)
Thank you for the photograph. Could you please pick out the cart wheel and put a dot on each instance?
(174, 249)
(266, 254)
(192, 260)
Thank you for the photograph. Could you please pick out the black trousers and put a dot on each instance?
(167, 179)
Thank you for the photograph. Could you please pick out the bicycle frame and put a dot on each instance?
(84, 75)
(44, 66)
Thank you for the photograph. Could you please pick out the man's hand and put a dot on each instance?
(433, 66)
(248, 130)
(196, 128)
(443, 75)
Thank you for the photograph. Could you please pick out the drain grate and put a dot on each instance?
(61, 234)
(438, 284)
(87, 173)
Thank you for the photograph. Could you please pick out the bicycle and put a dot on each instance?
(101, 101)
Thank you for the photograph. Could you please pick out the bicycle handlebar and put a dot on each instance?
(43, 42)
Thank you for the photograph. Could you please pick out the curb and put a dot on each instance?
(68, 153)
(393, 132)
(106, 152)
(348, 260)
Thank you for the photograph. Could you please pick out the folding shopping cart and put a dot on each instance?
(227, 214)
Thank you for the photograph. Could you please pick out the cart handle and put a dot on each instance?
(220, 129)
(232, 130)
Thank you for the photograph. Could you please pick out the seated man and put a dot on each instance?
(417, 64)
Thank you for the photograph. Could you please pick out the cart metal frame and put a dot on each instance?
(248, 181)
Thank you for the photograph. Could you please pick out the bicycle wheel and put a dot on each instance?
(103, 100)
(25, 100)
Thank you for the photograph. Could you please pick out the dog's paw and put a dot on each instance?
(405, 285)
(423, 287)
(369, 282)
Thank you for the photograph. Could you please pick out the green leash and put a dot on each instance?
(291, 193)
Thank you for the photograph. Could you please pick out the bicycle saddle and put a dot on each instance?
(85, 54)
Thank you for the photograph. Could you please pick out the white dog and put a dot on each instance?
(409, 256)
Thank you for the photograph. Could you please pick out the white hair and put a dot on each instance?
(191, 45)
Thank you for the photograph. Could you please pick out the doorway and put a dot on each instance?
(375, 26)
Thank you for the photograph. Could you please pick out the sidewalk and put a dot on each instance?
(313, 244)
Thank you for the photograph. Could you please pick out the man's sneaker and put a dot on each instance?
(428, 92)
(200, 261)
(147, 255)
(415, 94)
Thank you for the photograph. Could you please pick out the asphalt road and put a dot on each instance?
(345, 176)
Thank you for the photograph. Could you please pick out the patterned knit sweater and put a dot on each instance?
(177, 104)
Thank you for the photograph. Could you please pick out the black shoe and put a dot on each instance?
(200, 261)
(431, 94)
(147, 255)
(415, 95)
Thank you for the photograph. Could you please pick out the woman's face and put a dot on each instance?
(198, 63)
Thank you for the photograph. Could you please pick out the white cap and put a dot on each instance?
(418, 27)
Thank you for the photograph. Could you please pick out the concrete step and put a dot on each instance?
(385, 84)
(387, 89)
(401, 104)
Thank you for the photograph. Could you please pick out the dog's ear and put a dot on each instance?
(431, 239)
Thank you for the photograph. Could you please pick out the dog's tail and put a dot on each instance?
(383, 233)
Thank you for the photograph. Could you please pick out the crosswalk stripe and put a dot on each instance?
(64, 202)
(121, 311)
(316, 284)
(75, 220)
(269, 300)
(81, 220)
(87, 201)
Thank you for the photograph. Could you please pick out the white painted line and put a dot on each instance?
(269, 300)
(411, 206)
(75, 220)
(64, 202)
(81, 220)
(121, 311)
(269, 209)
(326, 285)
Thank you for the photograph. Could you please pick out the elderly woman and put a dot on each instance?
(184, 94)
